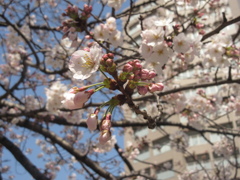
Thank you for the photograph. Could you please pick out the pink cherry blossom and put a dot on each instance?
(181, 43)
(83, 64)
(116, 4)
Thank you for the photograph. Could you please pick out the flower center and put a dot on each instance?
(89, 63)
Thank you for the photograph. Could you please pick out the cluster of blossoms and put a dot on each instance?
(159, 45)
(217, 50)
(223, 148)
(76, 23)
(131, 151)
(106, 147)
(206, 104)
(108, 32)
(189, 175)
(116, 4)
(139, 78)
(55, 96)
(55, 57)
(84, 63)
(32, 103)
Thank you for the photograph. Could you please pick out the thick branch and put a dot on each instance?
(219, 28)
(26, 163)
(35, 27)
(64, 144)
(189, 87)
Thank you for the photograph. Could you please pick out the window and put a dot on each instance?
(141, 131)
(238, 122)
(217, 137)
(196, 139)
(147, 171)
(199, 162)
(161, 145)
(164, 170)
(219, 160)
(144, 153)
(134, 28)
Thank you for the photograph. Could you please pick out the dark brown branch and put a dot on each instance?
(22, 159)
(128, 164)
(68, 147)
(219, 28)
(189, 87)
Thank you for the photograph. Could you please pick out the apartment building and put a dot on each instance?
(157, 159)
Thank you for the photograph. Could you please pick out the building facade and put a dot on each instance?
(157, 158)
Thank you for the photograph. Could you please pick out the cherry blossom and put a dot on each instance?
(83, 64)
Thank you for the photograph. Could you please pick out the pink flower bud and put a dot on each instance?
(105, 57)
(109, 62)
(156, 87)
(151, 75)
(92, 122)
(127, 68)
(142, 90)
(199, 25)
(111, 55)
(137, 65)
(82, 97)
(136, 61)
(105, 136)
(88, 37)
(144, 74)
(105, 124)
(75, 9)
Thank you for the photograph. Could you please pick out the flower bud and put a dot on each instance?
(109, 62)
(156, 87)
(92, 122)
(144, 74)
(151, 75)
(111, 55)
(105, 57)
(127, 68)
(142, 90)
(82, 97)
(105, 136)
(105, 124)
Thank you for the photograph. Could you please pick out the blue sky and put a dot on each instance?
(16, 169)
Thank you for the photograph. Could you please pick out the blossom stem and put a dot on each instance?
(99, 88)
(142, 83)
(104, 104)
(94, 85)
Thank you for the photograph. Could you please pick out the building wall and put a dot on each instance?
(197, 144)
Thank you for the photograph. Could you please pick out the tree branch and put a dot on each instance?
(65, 145)
(219, 28)
(22, 159)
